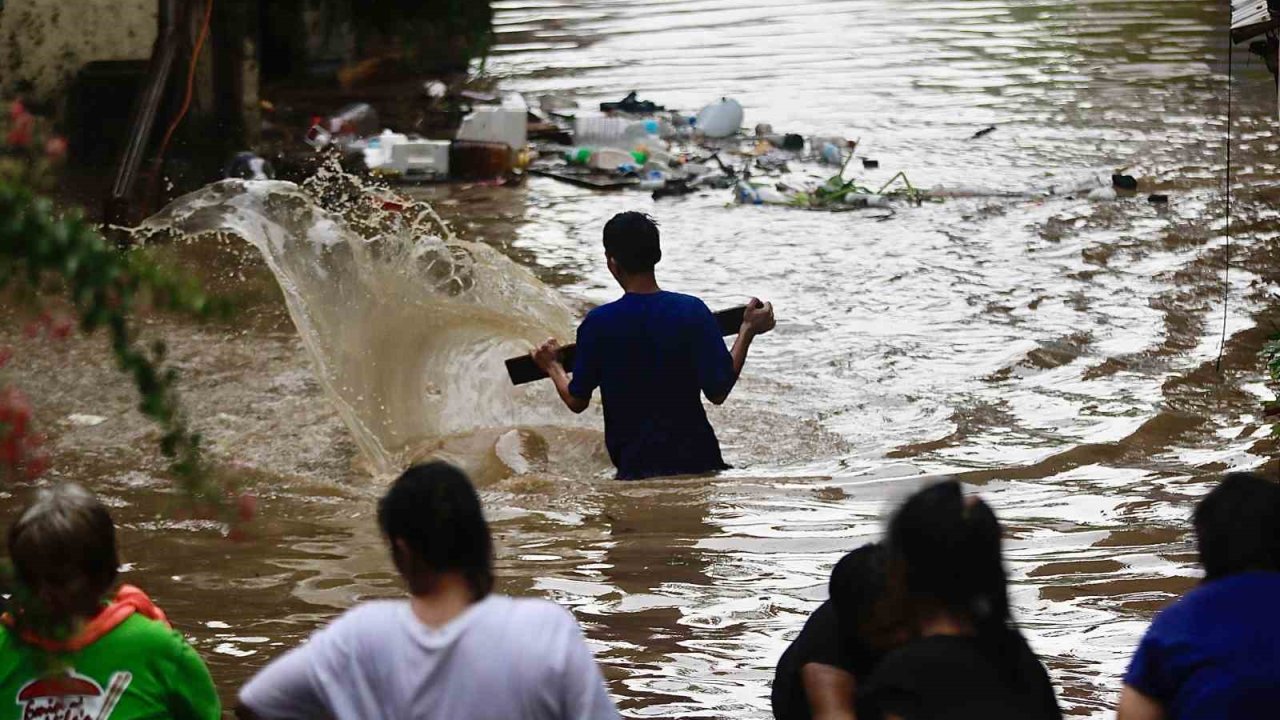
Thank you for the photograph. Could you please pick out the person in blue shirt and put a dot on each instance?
(652, 353)
(1215, 653)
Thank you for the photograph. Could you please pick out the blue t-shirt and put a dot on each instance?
(652, 355)
(1215, 654)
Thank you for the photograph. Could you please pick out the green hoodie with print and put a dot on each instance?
(138, 670)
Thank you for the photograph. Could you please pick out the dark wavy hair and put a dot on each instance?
(945, 557)
(1238, 526)
(435, 512)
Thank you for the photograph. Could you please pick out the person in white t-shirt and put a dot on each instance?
(453, 650)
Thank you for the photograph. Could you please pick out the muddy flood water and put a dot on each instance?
(1058, 354)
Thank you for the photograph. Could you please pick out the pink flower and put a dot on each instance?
(55, 148)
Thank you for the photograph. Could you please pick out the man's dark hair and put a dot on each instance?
(433, 509)
(1238, 526)
(631, 239)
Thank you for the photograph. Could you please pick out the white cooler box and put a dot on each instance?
(420, 159)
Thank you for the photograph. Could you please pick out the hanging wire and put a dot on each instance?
(1226, 262)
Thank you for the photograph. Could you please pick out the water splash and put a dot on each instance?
(407, 325)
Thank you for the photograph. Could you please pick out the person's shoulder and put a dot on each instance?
(822, 622)
(372, 613)
(605, 309)
(536, 611)
(140, 630)
(600, 315)
(1218, 595)
(690, 301)
(146, 637)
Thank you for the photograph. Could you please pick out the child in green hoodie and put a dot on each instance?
(69, 653)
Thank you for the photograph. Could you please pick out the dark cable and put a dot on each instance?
(1226, 262)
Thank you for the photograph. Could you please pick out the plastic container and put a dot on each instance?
(420, 159)
(720, 119)
(506, 123)
(377, 152)
(469, 160)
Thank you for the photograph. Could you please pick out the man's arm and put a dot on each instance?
(547, 356)
(1136, 706)
(757, 320)
(829, 690)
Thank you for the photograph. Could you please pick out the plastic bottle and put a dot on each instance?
(653, 154)
(357, 120)
(611, 159)
(866, 200)
(598, 130)
(653, 180)
(748, 194)
(720, 119)
(615, 132)
(645, 128)
(578, 155)
(831, 155)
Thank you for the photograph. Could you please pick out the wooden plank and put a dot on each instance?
(523, 369)
(1251, 18)
(593, 181)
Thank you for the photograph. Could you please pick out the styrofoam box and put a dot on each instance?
(420, 157)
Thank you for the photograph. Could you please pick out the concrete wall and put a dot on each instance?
(44, 42)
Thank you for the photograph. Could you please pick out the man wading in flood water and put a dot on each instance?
(651, 353)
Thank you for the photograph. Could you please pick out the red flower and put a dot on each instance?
(15, 413)
(35, 466)
(246, 506)
(23, 128)
(61, 328)
(17, 109)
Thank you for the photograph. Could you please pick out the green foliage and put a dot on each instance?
(40, 252)
(832, 193)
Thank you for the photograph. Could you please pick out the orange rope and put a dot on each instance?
(186, 101)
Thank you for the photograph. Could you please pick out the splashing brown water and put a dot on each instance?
(1057, 353)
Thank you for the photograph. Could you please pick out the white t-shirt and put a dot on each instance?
(503, 658)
